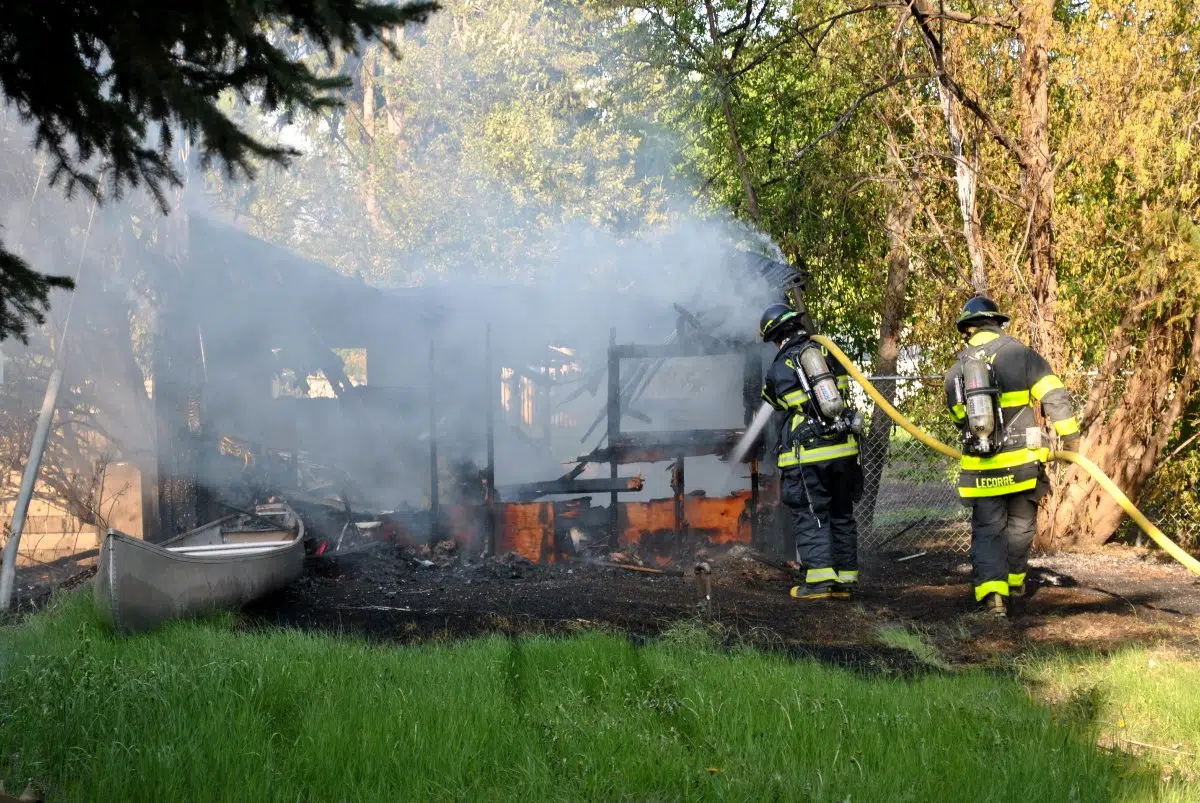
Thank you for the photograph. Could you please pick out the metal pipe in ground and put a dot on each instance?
(704, 587)
(8, 569)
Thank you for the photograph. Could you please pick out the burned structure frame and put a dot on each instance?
(624, 448)
(496, 519)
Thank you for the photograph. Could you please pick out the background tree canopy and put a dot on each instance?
(108, 87)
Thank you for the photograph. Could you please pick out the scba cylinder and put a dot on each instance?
(824, 386)
(978, 390)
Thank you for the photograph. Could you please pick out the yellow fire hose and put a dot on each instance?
(1091, 468)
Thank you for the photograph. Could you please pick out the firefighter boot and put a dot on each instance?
(846, 585)
(993, 605)
(813, 590)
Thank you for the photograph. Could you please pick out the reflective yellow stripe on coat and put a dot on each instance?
(802, 457)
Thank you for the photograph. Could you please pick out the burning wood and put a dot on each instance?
(532, 490)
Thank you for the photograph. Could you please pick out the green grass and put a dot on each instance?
(1142, 701)
(198, 712)
(900, 637)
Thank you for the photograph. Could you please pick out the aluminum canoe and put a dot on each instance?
(218, 566)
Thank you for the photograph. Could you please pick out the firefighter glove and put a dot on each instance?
(1071, 444)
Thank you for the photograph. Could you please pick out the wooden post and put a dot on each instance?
(614, 430)
(751, 394)
(434, 507)
(678, 486)
(490, 413)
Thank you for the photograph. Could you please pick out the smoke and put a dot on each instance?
(504, 185)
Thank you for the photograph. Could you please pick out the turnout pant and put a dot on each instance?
(1002, 530)
(820, 497)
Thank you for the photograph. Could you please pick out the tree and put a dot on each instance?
(505, 136)
(108, 88)
(1129, 271)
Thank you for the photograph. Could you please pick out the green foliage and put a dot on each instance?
(109, 87)
(495, 145)
(1127, 222)
(24, 295)
(817, 201)
(197, 711)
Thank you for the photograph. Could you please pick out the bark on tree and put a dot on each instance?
(391, 107)
(966, 166)
(1127, 441)
(899, 222)
(966, 172)
(367, 80)
(724, 78)
(1037, 176)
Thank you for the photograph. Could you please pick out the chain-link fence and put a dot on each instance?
(1176, 513)
(909, 500)
(914, 504)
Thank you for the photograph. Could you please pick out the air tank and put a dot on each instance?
(977, 388)
(824, 386)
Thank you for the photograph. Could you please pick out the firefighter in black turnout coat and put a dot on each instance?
(990, 392)
(817, 454)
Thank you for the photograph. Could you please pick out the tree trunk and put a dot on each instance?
(966, 172)
(874, 452)
(391, 107)
(1037, 177)
(370, 197)
(735, 142)
(1127, 442)
(725, 91)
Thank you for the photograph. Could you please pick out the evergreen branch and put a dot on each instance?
(114, 83)
(24, 295)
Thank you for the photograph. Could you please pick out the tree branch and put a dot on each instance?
(846, 115)
(804, 30)
(923, 15)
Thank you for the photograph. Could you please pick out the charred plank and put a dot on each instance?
(529, 491)
(657, 446)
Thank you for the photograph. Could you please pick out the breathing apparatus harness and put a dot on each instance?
(828, 411)
(976, 390)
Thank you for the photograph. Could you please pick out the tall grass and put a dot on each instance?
(1142, 701)
(198, 711)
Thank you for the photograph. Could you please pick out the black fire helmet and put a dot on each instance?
(778, 320)
(980, 310)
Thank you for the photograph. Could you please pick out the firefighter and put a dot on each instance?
(817, 454)
(990, 392)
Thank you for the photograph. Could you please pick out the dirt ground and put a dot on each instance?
(1102, 601)
(1098, 601)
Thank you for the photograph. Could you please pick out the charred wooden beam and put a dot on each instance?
(529, 491)
(489, 407)
(613, 410)
(671, 350)
(653, 447)
(702, 331)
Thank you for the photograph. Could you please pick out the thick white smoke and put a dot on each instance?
(559, 279)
